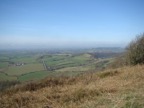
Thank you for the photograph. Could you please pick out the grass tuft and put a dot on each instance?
(108, 73)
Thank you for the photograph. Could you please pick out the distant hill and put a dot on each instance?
(108, 49)
(105, 54)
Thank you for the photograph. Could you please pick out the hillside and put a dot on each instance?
(113, 88)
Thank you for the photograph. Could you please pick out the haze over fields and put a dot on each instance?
(69, 23)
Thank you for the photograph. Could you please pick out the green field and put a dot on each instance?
(24, 59)
(79, 68)
(4, 77)
(19, 70)
(68, 61)
(24, 66)
(33, 76)
(4, 58)
(3, 64)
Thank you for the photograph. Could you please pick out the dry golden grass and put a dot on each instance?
(113, 88)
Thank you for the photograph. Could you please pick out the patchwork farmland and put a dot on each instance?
(28, 66)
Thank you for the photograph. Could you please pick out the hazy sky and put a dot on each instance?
(69, 23)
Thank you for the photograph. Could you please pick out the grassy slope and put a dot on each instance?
(4, 77)
(19, 70)
(33, 76)
(115, 88)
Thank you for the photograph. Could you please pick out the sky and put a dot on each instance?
(69, 23)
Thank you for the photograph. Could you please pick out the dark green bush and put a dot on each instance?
(135, 51)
